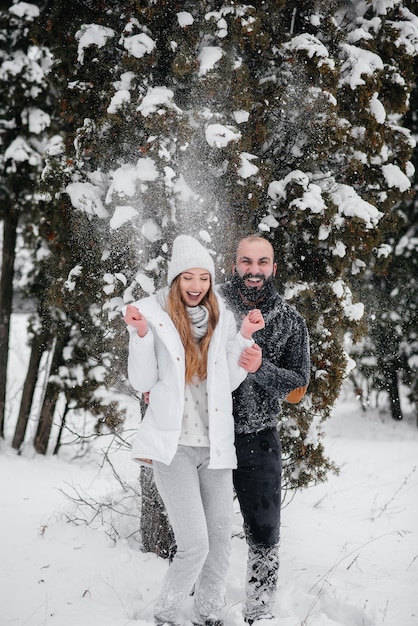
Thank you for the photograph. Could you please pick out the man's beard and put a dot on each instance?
(253, 294)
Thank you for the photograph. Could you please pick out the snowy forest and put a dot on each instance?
(123, 124)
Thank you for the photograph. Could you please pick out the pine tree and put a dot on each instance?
(222, 119)
(348, 191)
(64, 326)
(24, 124)
(388, 357)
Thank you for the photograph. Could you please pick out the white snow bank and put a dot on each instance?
(347, 550)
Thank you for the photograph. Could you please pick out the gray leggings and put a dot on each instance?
(199, 503)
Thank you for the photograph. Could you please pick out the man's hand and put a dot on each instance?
(251, 358)
(252, 322)
(134, 318)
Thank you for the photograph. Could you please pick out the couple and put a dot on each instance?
(184, 350)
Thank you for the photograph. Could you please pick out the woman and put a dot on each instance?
(184, 350)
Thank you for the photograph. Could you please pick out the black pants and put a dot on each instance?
(257, 482)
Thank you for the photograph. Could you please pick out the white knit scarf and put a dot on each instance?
(199, 315)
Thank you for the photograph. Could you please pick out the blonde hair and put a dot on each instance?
(196, 354)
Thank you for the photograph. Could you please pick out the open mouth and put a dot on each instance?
(194, 295)
(254, 281)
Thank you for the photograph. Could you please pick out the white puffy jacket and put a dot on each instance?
(156, 363)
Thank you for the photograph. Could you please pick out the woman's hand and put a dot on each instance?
(252, 322)
(133, 317)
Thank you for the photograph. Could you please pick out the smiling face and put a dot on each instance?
(254, 262)
(194, 285)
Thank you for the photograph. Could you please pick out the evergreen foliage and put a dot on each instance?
(387, 357)
(223, 119)
(217, 119)
(24, 126)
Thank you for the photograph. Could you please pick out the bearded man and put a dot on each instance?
(279, 366)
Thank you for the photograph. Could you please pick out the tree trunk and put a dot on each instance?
(156, 532)
(358, 390)
(61, 430)
(10, 222)
(395, 403)
(46, 417)
(39, 345)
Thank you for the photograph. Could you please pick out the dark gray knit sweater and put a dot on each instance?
(286, 360)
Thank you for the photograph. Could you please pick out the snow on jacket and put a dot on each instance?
(156, 363)
(286, 360)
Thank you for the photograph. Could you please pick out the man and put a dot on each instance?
(278, 363)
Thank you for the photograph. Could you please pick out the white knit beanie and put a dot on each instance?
(188, 253)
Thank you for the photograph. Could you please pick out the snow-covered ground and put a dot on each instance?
(349, 554)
